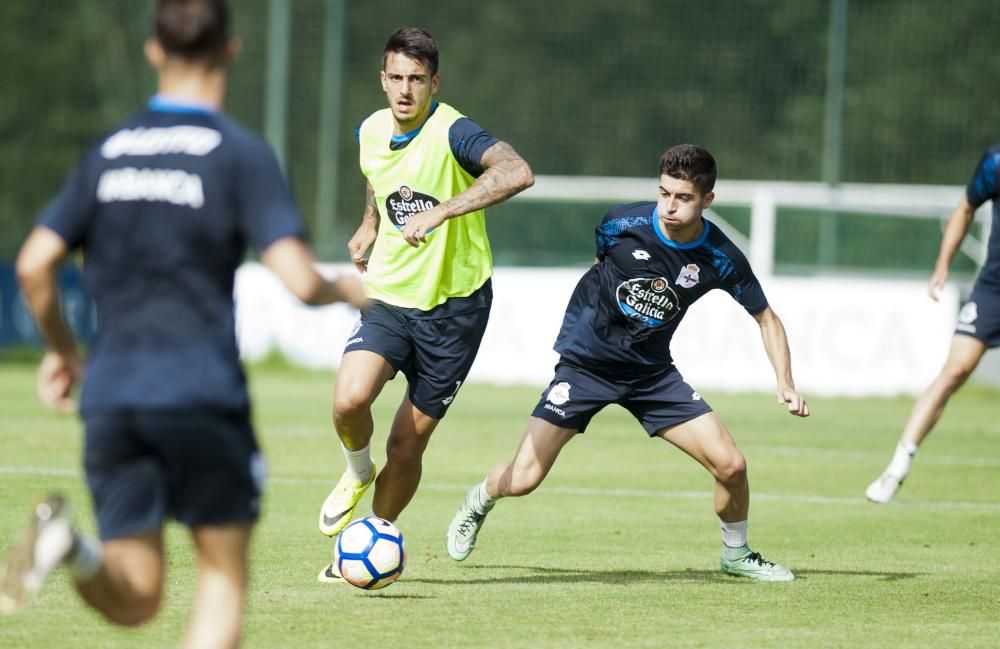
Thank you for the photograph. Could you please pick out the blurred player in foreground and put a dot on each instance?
(163, 209)
(431, 172)
(978, 326)
(654, 260)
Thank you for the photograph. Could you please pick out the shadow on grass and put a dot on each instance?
(380, 594)
(882, 576)
(548, 575)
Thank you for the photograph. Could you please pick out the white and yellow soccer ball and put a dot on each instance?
(370, 554)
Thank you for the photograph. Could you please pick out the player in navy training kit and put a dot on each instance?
(978, 327)
(653, 261)
(163, 209)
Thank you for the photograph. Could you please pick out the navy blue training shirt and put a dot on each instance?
(985, 186)
(625, 309)
(163, 209)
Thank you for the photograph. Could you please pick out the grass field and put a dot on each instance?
(619, 548)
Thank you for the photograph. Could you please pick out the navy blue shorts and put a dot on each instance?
(980, 316)
(199, 467)
(433, 349)
(657, 401)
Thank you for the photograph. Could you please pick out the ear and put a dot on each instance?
(384, 80)
(709, 197)
(155, 54)
(233, 48)
(435, 83)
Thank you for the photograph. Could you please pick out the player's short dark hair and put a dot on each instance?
(195, 30)
(690, 162)
(416, 43)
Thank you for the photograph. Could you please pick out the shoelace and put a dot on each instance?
(754, 557)
(471, 519)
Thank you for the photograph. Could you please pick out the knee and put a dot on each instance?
(953, 375)
(732, 470)
(349, 403)
(139, 609)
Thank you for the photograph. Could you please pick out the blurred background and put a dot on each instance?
(845, 130)
(833, 91)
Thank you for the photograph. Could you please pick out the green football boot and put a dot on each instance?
(741, 562)
(465, 525)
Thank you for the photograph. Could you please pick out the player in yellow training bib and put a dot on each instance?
(431, 171)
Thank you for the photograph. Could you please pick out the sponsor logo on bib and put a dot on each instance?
(401, 205)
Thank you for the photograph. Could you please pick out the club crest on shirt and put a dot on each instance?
(559, 394)
(688, 276)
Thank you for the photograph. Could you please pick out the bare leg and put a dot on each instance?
(217, 618)
(706, 439)
(360, 380)
(397, 482)
(128, 587)
(963, 357)
(535, 455)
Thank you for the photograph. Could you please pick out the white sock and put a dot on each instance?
(485, 499)
(54, 544)
(734, 535)
(901, 460)
(359, 463)
(86, 558)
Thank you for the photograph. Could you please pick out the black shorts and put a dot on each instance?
(199, 467)
(433, 349)
(980, 316)
(657, 401)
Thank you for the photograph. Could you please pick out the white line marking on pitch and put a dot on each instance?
(594, 492)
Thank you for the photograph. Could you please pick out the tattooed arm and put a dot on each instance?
(365, 236)
(505, 174)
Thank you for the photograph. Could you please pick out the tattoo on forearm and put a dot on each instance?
(371, 207)
(506, 174)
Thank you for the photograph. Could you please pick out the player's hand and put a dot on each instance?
(796, 402)
(422, 224)
(57, 375)
(359, 245)
(936, 283)
(352, 291)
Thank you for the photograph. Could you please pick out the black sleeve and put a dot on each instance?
(983, 186)
(70, 212)
(468, 143)
(268, 210)
(743, 285)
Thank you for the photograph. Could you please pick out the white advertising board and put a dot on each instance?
(848, 336)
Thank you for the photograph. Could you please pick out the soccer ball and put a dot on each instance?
(369, 553)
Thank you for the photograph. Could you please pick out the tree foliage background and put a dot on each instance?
(576, 86)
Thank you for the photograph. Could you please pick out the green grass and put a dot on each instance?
(619, 548)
